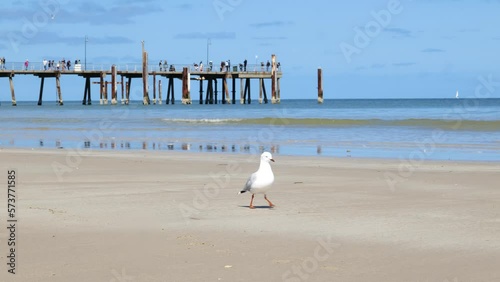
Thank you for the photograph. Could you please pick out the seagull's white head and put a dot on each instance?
(266, 157)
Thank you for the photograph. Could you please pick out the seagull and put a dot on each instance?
(261, 180)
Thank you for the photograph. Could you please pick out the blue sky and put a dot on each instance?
(367, 49)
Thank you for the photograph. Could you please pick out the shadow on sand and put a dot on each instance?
(259, 207)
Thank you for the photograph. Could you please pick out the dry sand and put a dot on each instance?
(175, 216)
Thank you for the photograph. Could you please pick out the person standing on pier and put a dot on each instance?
(268, 65)
(245, 65)
(26, 64)
(201, 66)
(160, 65)
(44, 62)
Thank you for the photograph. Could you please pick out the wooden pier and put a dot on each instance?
(228, 80)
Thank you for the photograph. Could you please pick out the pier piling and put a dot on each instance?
(170, 91)
(145, 94)
(127, 91)
(261, 85)
(201, 91)
(264, 91)
(216, 93)
(242, 95)
(246, 96)
(42, 79)
(105, 93)
(86, 92)
(101, 87)
(186, 86)
(58, 88)
(89, 95)
(114, 90)
(154, 88)
(223, 100)
(226, 91)
(234, 90)
(159, 92)
(123, 90)
(207, 96)
(12, 92)
(210, 92)
(320, 85)
(274, 78)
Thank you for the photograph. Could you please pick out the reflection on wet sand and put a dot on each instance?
(154, 146)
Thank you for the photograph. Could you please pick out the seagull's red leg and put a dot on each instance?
(269, 202)
(251, 202)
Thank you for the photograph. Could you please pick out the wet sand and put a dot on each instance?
(176, 216)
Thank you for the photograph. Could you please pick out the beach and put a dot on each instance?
(103, 215)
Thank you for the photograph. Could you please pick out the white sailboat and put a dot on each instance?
(456, 95)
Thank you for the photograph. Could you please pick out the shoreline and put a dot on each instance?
(218, 150)
(158, 216)
(249, 155)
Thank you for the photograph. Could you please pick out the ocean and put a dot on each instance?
(408, 129)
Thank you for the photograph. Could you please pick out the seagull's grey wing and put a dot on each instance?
(250, 180)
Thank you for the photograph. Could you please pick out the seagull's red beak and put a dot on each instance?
(272, 160)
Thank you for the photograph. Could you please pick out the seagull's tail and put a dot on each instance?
(241, 192)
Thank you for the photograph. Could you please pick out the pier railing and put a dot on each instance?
(132, 67)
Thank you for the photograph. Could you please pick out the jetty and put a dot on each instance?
(121, 76)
